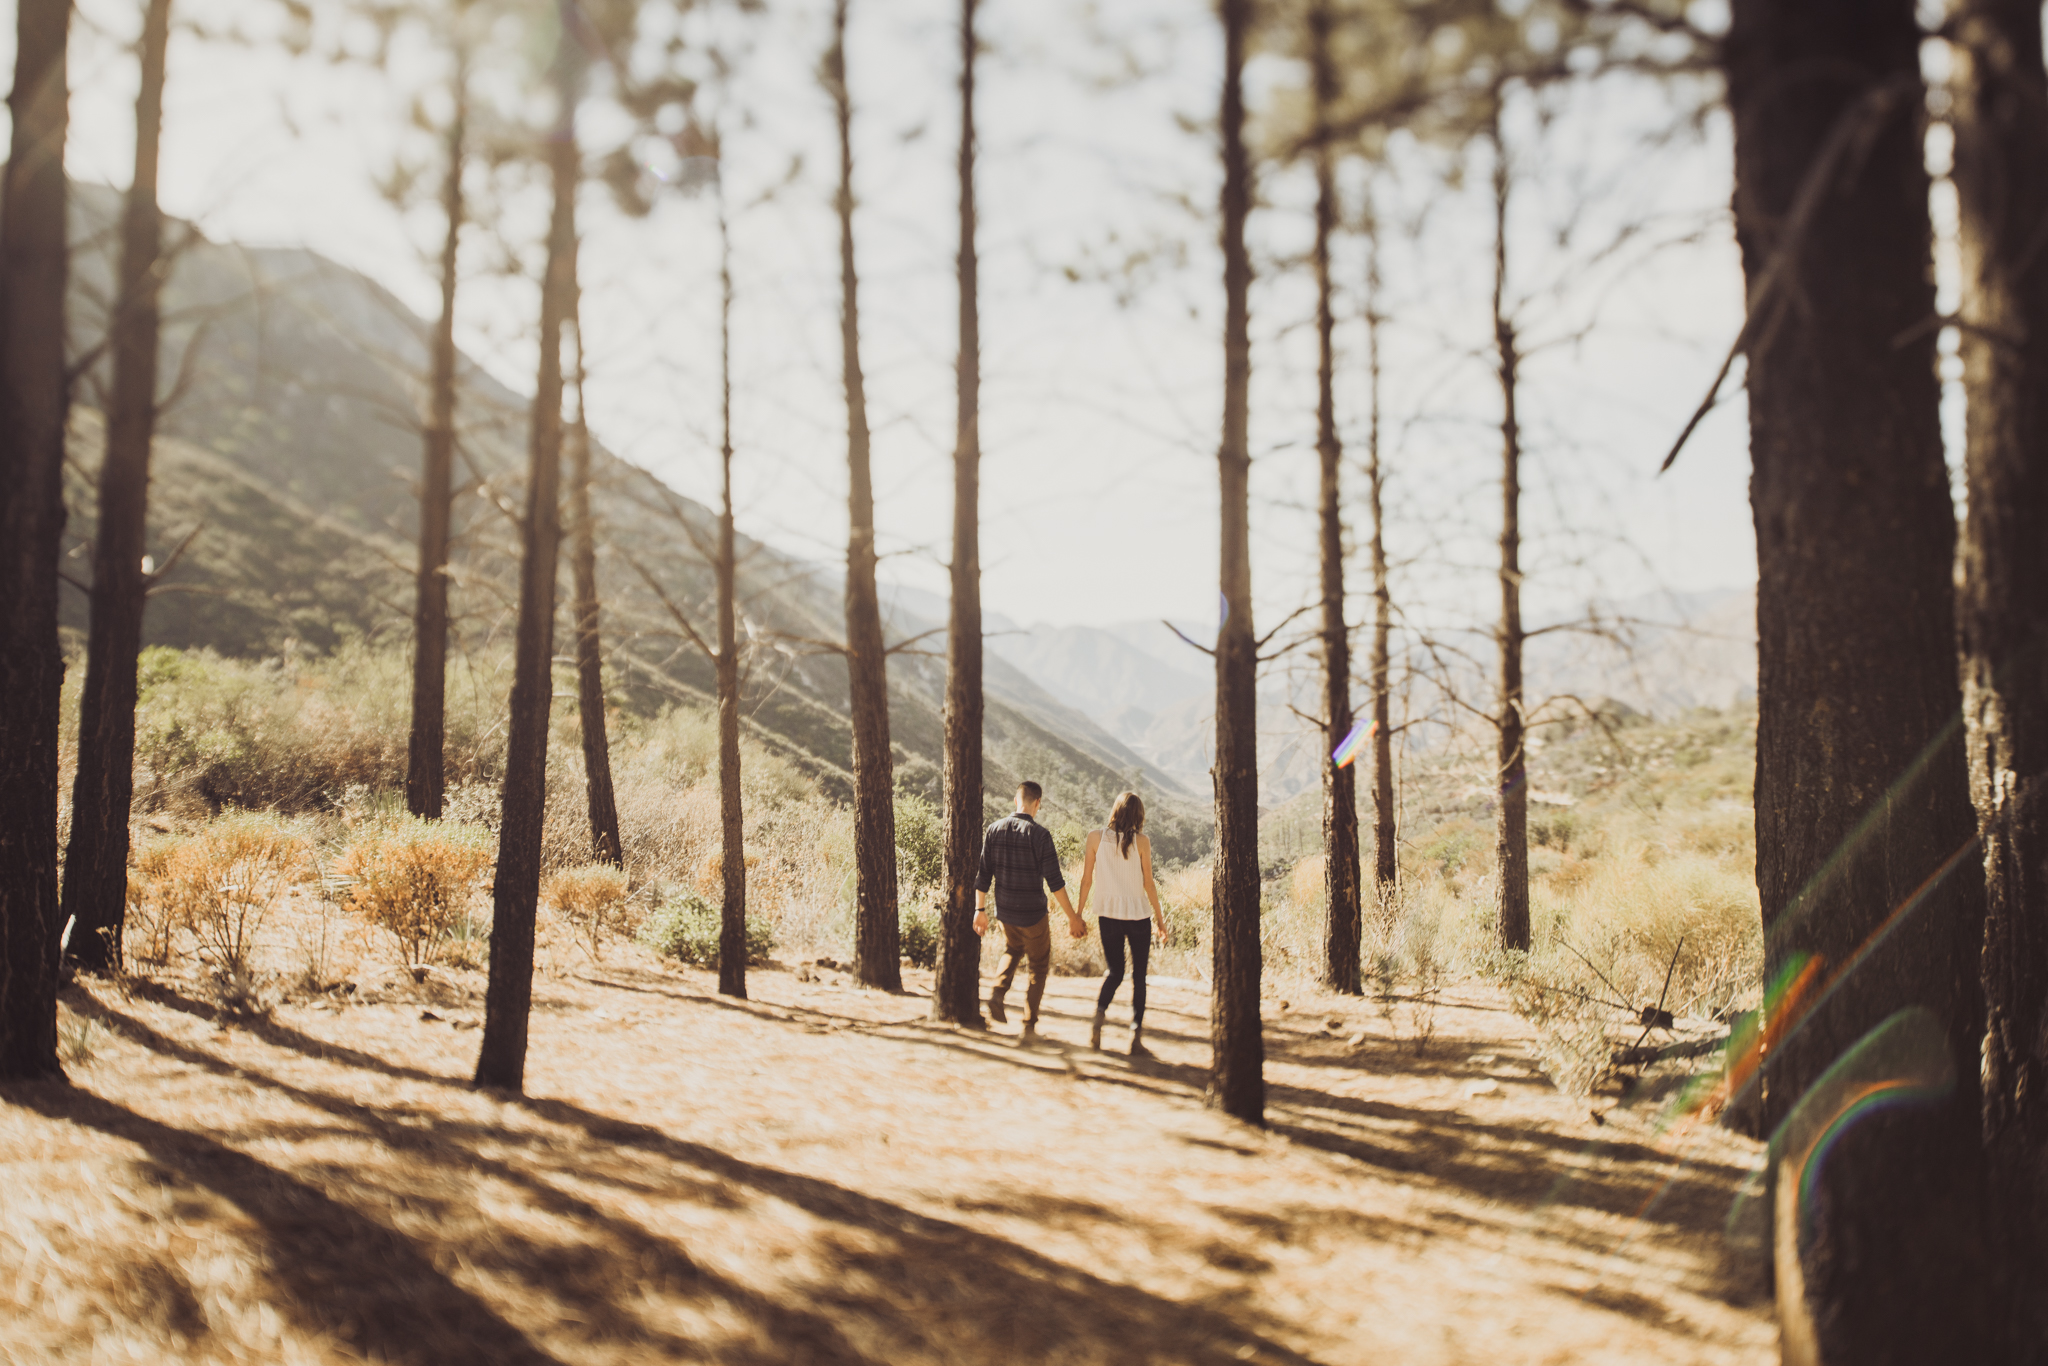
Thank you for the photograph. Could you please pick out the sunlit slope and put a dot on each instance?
(291, 440)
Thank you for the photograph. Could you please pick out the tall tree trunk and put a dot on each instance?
(956, 990)
(599, 800)
(1238, 1078)
(877, 933)
(515, 894)
(34, 266)
(2001, 173)
(96, 863)
(425, 772)
(1511, 819)
(732, 848)
(1342, 928)
(1865, 835)
(1385, 869)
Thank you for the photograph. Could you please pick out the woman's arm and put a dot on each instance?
(1087, 870)
(1151, 889)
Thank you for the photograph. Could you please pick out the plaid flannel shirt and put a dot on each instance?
(1017, 856)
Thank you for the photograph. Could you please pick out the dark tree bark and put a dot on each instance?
(1237, 1080)
(1343, 930)
(425, 772)
(599, 800)
(96, 862)
(508, 999)
(1385, 868)
(877, 931)
(732, 849)
(2000, 119)
(34, 395)
(1511, 816)
(956, 990)
(1865, 835)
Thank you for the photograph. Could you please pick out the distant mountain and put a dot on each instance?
(292, 446)
(1661, 654)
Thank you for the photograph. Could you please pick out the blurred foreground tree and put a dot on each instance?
(1871, 885)
(96, 859)
(2000, 117)
(34, 398)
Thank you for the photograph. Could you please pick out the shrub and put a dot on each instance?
(920, 841)
(229, 877)
(919, 934)
(593, 899)
(415, 878)
(684, 925)
(159, 899)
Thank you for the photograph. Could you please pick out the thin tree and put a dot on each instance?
(599, 801)
(425, 768)
(877, 933)
(1343, 931)
(508, 998)
(1867, 867)
(34, 396)
(1511, 813)
(732, 853)
(1237, 1079)
(95, 890)
(956, 989)
(2001, 176)
(1385, 868)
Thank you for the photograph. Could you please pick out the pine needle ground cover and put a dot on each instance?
(819, 1175)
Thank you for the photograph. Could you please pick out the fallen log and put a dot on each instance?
(1648, 1053)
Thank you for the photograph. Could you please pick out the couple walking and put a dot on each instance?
(1018, 864)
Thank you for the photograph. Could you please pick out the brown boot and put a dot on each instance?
(1138, 1049)
(1095, 1033)
(995, 1009)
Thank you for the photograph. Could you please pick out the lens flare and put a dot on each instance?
(1354, 743)
(1904, 1062)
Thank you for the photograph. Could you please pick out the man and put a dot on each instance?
(1017, 856)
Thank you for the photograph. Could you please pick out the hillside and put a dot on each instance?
(292, 445)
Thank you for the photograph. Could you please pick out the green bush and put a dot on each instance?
(684, 925)
(920, 936)
(920, 841)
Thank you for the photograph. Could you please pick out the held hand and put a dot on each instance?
(1077, 927)
(981, 922)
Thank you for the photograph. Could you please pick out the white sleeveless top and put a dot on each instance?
(1119, 881)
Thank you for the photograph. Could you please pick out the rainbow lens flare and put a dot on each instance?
(1354, 743)
(1904, 1061)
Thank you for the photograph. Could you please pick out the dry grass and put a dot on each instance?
(593, 899)
(819, 1175)
(416, 880)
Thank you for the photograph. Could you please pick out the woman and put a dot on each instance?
(1120, 857)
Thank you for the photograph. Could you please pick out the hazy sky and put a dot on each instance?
(1102, 395)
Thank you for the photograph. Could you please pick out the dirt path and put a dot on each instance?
(820, 1176)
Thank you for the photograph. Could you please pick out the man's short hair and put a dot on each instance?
(1028, 791)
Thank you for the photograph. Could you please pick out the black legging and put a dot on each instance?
(1115, 934)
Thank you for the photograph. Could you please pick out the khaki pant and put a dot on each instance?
(1033, 944)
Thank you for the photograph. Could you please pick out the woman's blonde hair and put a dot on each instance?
(1126, 819)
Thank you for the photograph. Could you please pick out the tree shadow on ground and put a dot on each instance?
(315, 1249)
(928, 1288)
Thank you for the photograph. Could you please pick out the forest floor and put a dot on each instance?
(821, 1175)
